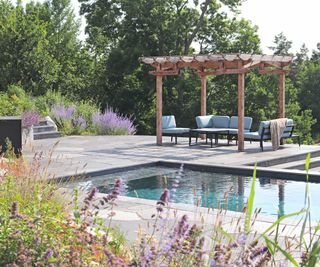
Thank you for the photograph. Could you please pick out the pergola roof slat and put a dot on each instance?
(213, 61)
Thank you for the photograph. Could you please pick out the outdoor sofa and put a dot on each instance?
(169, 128)
(264, 134)
(223, 124)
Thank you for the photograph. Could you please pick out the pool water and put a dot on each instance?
(226, 191)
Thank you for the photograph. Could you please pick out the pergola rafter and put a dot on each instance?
(219, 64)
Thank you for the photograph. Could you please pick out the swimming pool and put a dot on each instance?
(227, 191)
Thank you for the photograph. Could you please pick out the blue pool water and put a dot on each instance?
(227, 191)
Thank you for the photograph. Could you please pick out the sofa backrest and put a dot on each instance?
(266, 132)
(234, 123)
(220, 121)
(204, 121)
(168, 122)
(289, 127)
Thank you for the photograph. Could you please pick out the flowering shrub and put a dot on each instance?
(70, 121)
(30, 118)
(60, 112)
(112, 123)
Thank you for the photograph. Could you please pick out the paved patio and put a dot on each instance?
(77, 154)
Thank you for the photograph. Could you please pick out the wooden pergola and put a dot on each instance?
(219, 64)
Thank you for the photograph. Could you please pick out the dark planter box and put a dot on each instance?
(10, 127)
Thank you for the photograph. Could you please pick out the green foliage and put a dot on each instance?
(15, 102)
(86, 109)
(40, 52)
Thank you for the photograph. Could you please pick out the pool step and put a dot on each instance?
(300, 164)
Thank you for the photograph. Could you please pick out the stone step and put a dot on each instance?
(42, 122)
(300, 164)
(43, 128)
(44, 135)
(288, 159)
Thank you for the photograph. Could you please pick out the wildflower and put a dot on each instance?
(29, 118)
(15, 211)
(113, 195)
(241, 240)
(61, 112)
(48, 254)
(80, 122)
(87, 201)
(164, 199)
(113, 260)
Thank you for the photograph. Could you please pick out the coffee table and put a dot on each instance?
(211, 133)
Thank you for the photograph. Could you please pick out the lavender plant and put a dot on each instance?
(63, 116)
(111, 123)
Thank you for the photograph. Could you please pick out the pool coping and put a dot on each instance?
(281, 174)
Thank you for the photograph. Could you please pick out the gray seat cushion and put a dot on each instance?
(235, 131)
(168, 122)
(234, 123)
(252, 135)
(204, 121)
(176, 130)
(220, 121)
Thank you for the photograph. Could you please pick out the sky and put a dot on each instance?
(298, 20)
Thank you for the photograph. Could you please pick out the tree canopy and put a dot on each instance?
(40, 50)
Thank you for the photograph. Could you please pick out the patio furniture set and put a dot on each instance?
(213, 127)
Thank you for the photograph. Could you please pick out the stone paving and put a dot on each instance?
(77, 154)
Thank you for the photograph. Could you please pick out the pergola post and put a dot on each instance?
(159, 109)
(282, 78)
(203, 99)
(203, 111)
(241, 112)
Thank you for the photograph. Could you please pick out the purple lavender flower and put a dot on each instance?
(241, 240)
(29, 118)
(110, 122)
(48, 254)
(60, 112)
(80, 122)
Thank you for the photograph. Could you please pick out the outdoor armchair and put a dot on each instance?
(169, 128)
(264, 134)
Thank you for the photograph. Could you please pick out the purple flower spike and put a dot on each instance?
(80, 122)
(61, 112)
(115, 191)
(110, 122)
(48, 254)
(241, 240)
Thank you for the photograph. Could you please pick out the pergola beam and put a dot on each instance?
(223, 72)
